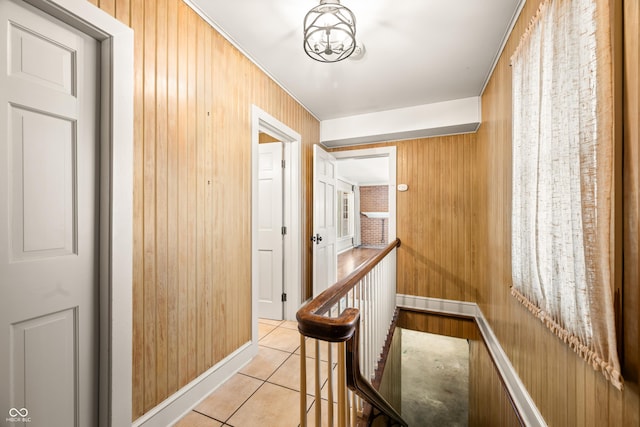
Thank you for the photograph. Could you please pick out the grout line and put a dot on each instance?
(245, 401)
(275, 348)
(279, 366)
(268, 333)
(288, 388)
(263, 381)
(207, 415)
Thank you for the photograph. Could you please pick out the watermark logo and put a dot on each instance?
(18, 415)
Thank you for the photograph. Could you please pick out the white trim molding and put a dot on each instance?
(176, 406)
(261, 121)
(391, 153)
(518, 393)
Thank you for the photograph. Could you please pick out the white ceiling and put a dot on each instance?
(364, 171)
(417, 51)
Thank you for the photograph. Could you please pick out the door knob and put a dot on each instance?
(319, 238)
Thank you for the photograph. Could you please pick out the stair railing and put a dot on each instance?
(352, 319)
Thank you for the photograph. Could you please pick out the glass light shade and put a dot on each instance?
(329, 32)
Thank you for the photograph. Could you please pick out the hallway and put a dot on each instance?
(266, 392)
(349, 260)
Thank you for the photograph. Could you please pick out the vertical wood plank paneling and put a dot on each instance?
(108, 6)
(566, 389)
(631, 208)
(192, 193)
(209, 326)
(173, 256)
(200, 201)
(219, 134)
(631, 184)
(436, 218)
(191, 202)
(437, 324)
(138, 356)
(489, 404)
(161, 232)
(183, 191)
(149, 265)
(123, 11)
(149, 189)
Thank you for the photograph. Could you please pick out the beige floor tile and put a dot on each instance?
(282, 339)
(288, 375)
(311, 414)
(264, 329)
(289, 324)
(194, 419)
(265, 363)
(228, 397)
(324, 350)
(270, 406)
(270, 322)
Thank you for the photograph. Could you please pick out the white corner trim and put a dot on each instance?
(209, 20)
(180, 403)
(505, 39)
(518, 393)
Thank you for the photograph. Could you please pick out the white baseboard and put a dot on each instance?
(177, 405)
(526, 407)
(440, 306)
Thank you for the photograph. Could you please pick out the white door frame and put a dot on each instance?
(116, 199)
(263, 122)
(391, 153)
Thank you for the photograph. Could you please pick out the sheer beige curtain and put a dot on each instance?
(562, 177)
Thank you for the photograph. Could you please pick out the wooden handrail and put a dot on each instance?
(311, 319)
(345, 328)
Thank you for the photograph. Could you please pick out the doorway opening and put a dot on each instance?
(358, 173)
(285, 254)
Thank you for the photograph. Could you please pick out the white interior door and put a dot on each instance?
(324, 220)
(48, 220)
(270, 236)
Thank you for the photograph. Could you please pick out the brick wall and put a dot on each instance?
(374, 199)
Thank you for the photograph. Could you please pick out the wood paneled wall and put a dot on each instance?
(449, 326)
(436, 217)
(567, 390)
(391, 382)
(489, 403)
(631, 196)
(192, 193)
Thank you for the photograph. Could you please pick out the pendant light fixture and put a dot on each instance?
(329, 32)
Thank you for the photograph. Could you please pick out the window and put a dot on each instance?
(345, 214)
(562, 178)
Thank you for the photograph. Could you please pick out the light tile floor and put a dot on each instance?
(266, 392)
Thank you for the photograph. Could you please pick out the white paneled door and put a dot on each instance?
(324, 220)
(270, 232)
(48, 221)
